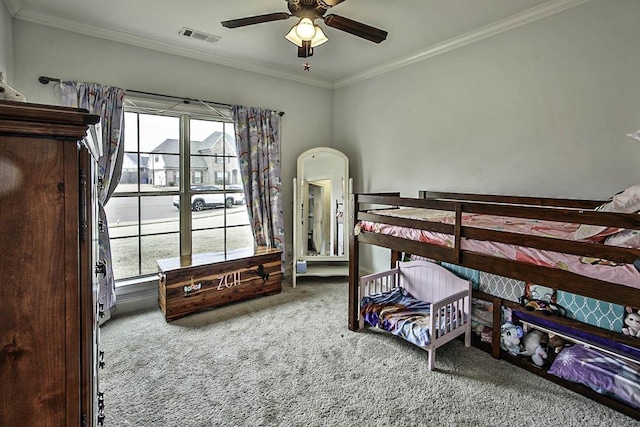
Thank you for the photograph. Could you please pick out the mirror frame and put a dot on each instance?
(298, 242)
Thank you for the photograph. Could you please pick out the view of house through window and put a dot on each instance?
(143, 213)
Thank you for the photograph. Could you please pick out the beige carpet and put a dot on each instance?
(289, 360)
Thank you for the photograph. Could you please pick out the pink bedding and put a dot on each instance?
(622, 274)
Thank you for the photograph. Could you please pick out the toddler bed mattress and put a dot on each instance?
(399, 312)
(610, 272)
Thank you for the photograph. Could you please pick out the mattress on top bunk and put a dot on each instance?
(399, 312)
(624, 274)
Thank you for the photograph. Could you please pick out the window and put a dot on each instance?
(222, 178)
(144, 211)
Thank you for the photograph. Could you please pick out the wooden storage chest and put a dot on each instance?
(211, 280)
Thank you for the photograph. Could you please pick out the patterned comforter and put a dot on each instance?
(400, 313)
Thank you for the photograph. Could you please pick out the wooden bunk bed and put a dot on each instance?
(374, 208)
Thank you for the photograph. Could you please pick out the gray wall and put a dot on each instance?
(41, 50)
(542, 109)
(6, 43)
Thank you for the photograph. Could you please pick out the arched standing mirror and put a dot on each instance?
(321, 196)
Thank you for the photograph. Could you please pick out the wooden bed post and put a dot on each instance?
(354, 264)
(458, 233)
(395, 257)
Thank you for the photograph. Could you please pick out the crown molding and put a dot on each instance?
(517, 20)
(14, 6)
(17, 10)
(148, 43)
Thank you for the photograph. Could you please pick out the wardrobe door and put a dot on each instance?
(38, 323)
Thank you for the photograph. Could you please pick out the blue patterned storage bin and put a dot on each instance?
(592, 311)
(502, 287)
(464, 272)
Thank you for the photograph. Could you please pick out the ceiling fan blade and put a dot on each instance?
(356, 28)
(259, 19)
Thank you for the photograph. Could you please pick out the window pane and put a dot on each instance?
(159, 134)
(204, 241)
(131, 132)
(220, 209)
(159, 215)
(160, 147)
(239, 238)
(158, 247)
(207, 241)
(124, 257)
(164, 172)
(122, 217)
(134, 171)
(203, 129)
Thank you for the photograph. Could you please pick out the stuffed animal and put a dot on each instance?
(540, 355)
(8, 93)
(557, 343)
(510, 335)
(535, 346)
(632, 320)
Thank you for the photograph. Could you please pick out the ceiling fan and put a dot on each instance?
(306, 34)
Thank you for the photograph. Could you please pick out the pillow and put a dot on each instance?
(600, 372)
(627, 201)
(625, 239)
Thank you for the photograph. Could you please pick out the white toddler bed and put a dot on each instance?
(419, 301)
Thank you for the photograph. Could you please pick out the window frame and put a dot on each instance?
(184, 113)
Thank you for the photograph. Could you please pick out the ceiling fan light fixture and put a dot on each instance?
(305, 29)
(293, 37)
(305, 50)
(318, 39)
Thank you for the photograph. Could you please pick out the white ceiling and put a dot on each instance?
(417, 29)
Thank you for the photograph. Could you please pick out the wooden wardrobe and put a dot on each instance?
(49, 335)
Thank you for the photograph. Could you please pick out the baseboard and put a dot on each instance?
(142, 294)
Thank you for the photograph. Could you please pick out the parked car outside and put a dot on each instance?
(213, 196)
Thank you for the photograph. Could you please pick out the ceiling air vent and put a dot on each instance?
(199, 35)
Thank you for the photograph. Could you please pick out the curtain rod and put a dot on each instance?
(46, 80)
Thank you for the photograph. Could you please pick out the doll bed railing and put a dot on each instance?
(449, 312)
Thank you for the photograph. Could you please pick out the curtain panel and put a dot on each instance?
(108, 103)
(258, 148)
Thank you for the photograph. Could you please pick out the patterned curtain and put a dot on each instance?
(258, 147)
(107, 102)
